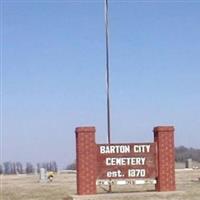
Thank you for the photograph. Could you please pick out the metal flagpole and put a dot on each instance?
(107, 78)
(107, 71)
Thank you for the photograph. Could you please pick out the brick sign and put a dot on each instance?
(125, 161)
(119, 161)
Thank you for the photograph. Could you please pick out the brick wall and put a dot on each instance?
(86, 160)
(164, 137)
(86, 154)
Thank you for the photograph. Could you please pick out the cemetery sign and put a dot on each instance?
(119, 161)
(133, 161)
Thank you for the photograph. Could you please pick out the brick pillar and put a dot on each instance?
(86, 158)
(164, 137)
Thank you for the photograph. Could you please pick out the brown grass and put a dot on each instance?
(27, 187)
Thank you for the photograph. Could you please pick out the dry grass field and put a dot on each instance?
(27, 187)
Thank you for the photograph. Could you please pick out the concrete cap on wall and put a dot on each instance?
(163, 129)
(85, 129)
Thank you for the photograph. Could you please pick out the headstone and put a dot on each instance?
(43, 175)
(188, 163)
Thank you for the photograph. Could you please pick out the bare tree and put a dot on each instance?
(29, 168)
(54, 166)
(38, 167)
(71, 166)
(13, 168)
(19, 168)
(49, 166)
(183, 153)
(7, 167)
(1, 169)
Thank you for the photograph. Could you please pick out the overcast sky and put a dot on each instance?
(53, 69)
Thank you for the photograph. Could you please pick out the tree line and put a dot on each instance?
(182, 153)
(17, 167)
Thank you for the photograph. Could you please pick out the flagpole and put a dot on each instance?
(107, 78)
(107, 71)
